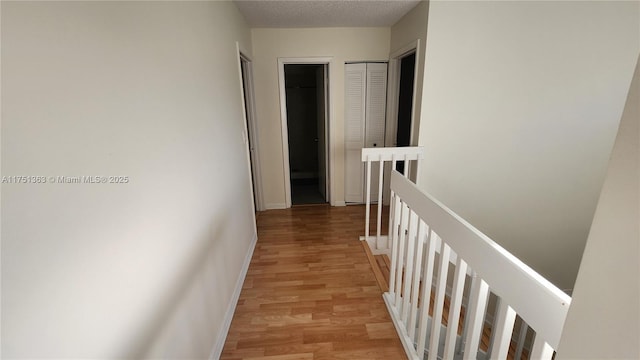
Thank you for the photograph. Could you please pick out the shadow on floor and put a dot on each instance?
(306, 191)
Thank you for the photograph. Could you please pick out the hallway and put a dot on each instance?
(310, 292)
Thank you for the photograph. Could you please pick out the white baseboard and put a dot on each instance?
(407, 342)
(274, 206)
(222, 337)
(339, 203)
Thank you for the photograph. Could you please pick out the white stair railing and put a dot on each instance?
(379, 244)
(426, 239)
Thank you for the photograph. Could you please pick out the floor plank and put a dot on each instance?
(310, 292)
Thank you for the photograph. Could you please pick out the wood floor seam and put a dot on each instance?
(310, 292)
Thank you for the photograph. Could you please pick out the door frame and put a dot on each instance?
(328, 62)
(394, 90)
(393, 95)
(250, 126)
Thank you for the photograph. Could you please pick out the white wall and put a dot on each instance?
(520, 107)
(604, 318)
(148, 90)
(343, 45)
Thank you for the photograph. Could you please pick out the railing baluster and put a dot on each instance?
(378, 156)
(404, 219)
(408, 272)
(380, 183)
(422, 233)
(455, 306)
(477, 304)
(436, 319)
(502, 330)
(368, 201)
(541, 350)
(393, 235)
(425, 296)
(413, 268)
(522, 337)
(391, 204)
(406, 166)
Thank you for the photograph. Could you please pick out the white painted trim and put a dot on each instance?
(251, 133)
(405, 49)
(407, 342)
(285, 134)
(216, 351)
(394, 92)
(275, 206)
(338, 203)
(372, 243)
(327, 116)
(393, 87)
(392, 103)
(244, 50)
(393, 153)
(540, 303)
(283, 121)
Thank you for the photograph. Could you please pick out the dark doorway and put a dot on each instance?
(306, 127)
(405, 104)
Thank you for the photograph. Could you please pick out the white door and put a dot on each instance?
(375, 111)
(321, 93)
(355, 97)
(365, 110)
(249, 107)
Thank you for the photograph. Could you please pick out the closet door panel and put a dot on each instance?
(376, 104)
(355, 97)
(375, 115)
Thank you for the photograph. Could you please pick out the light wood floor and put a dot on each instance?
(310, 292)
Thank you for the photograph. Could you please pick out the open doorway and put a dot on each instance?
(405, 103)
(306, 109)
(401, 108)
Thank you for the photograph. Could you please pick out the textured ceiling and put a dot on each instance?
(323, 13)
